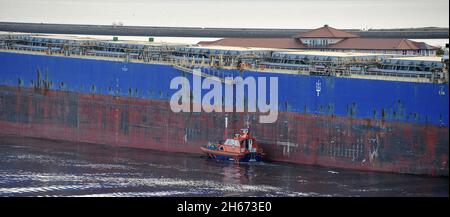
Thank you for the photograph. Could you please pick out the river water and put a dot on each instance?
(35, 167)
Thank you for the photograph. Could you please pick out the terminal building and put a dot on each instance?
(327, 38)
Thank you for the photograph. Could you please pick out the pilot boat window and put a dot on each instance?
(232, 142)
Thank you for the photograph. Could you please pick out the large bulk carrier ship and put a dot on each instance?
(371, 112)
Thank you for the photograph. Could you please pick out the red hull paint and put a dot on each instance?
(344, 142)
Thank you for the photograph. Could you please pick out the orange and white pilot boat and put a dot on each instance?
(242, 148)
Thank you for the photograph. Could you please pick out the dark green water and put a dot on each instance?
(33, 167)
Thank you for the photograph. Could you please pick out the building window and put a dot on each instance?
(404, 52)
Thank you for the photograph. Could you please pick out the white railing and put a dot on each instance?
(260, 68)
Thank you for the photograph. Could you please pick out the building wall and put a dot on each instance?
(320, 41)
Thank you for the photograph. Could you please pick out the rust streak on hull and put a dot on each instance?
(344, 142)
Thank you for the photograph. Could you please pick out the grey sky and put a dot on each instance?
(233, 13)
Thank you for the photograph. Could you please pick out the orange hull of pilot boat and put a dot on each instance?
(242, 148)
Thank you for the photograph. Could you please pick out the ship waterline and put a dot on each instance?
(352, 143)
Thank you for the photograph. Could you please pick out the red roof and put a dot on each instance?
(326, 32)
(349, 42)
(346, 44)
(425, 46)
(283, 43)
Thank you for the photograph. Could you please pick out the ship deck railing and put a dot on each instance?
(406, 75)
(260, 67)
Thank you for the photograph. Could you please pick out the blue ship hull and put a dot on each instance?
(348, 123)
(420, 103)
